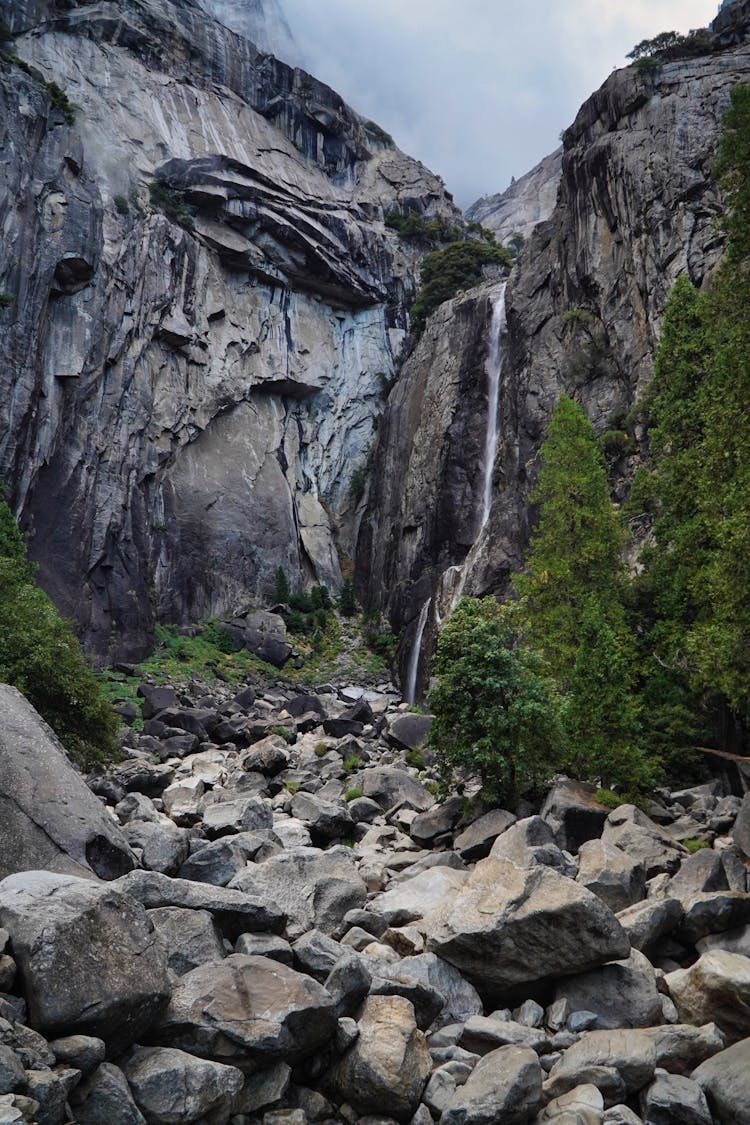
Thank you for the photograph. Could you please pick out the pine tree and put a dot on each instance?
(576, 548)
(601, 714)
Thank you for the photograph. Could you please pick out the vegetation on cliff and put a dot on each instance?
(40, 655)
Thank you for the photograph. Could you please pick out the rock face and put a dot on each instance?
(635, 209)
(49, 818)
(527, 202)
(197, 371)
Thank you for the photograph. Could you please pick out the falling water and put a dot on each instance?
(416, 648)
(494, 369)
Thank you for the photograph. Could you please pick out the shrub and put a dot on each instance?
(607, 798)
(347, 599)
(445, 272)
(415, 758)
(121, 204)
(694, 845)
(6, 300)
(320, 749)
(353, 794)
(288, 735)
(493, 710)
(215, 635)
(60, 100)
(281, 590)
(374, 130)
(616, 443)
(172, 203)
(40, 655)
(358, 483)
(351, 764)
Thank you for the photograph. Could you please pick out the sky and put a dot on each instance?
(479, 90)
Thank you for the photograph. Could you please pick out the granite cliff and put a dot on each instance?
(202, 308)
(636, 207)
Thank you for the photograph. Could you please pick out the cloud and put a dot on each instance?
(479, 91)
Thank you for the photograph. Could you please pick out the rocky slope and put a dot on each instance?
(527, 202)
(201, 310)
(636, 208)
(247, 932)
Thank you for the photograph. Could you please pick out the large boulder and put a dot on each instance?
(49, 818)
(391, 786)
(420, 895)
(475, 842)
(584, 1105)
(673, 1098)
(725, 1079)
(508, 927)
(505, 1085)
(235, 913)
(105, 1096)
(635, 833)
(607, 871)
(89, 957)
(174, 1088)
(248, 1011)
(716, 987)
(385, 1071)
(573, 814)
(314, 888)
(623, 993)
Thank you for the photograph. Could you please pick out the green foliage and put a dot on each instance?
(288, 735)
(671, 45)
(445, 272)
(347, 599)
(215, 635)
(693, 845)
(608, 798)
(292, 787)
(353, 794)
(6, 300)
(493, 709)
(61, 101)
(693, 596)
(358, 482)
(600, 715)
(320, 749)
(415, 758)
(281, 589)
(576, 547)
(379, 637)
(172, 203)
(413, 227)
(40, 655)
(122, 206)
(351, 765)
(616, 444)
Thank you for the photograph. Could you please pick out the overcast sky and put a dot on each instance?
(478, 89)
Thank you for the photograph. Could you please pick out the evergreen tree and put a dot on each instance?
(575, 551)
(493, 709)
(281, 589)
(601, 715)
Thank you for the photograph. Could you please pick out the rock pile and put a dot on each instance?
(293, 929)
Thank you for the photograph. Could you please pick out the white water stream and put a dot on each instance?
(416, 649)
(494, 370)
(451, 585)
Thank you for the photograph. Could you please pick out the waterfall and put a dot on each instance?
(494, 370)
(416, 648)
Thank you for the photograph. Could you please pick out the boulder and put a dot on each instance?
(475, 842)
(643, 840)
(190, 937)
(623, 993)
(584, 1105)
(507, 927)
(610, 873)
(505, 1085)
(741, 831)
(672, 1099)
(459, 1000)
(49, 819)
(82, 1052)
(712, 913)
(218, 862)
(699, 873)
(105, 1097)
(408, 731)
(90, 959)
(314, 888)
(725, 1079)
(390, 786)
(419, 896)
(530, 842)
(573, 814)
(387, 1067)
(248, 1011)
(716, 987)
(646, 923)
(482, 1034)
(173, 1088)
(324, 820)
(245, 814)
(163, 846)
(437, 821)
(235, 913)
